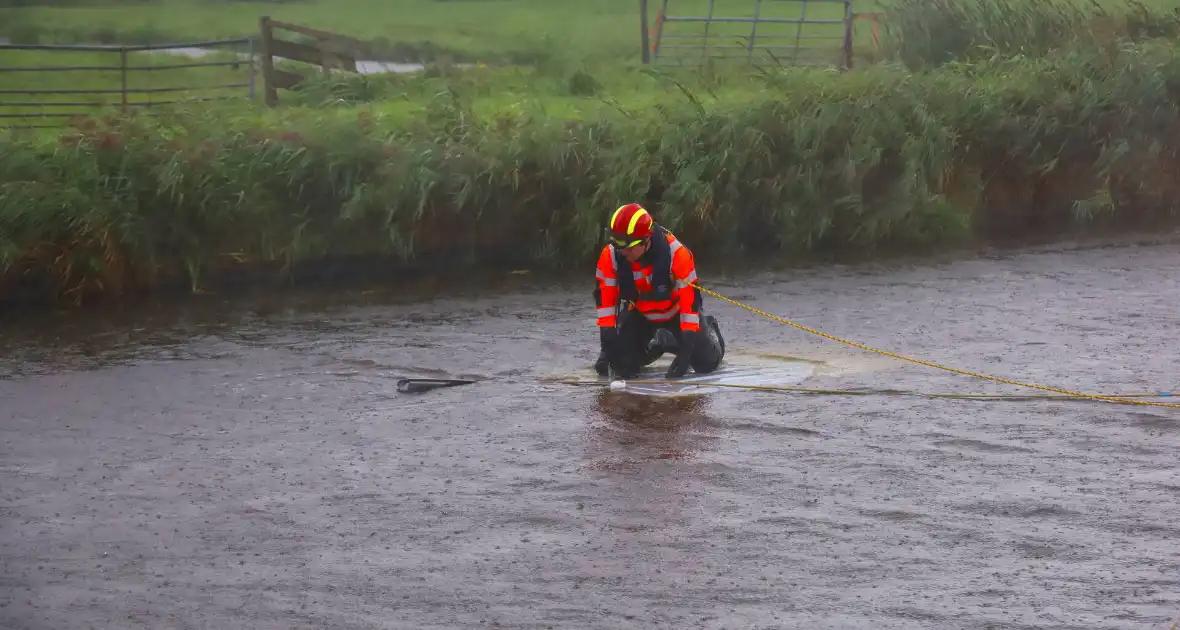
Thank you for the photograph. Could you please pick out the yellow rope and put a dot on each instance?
(1067, 392)
(849, 392)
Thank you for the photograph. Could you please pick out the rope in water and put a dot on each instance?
(857, 392)
(1070, 393)
(1126, 399)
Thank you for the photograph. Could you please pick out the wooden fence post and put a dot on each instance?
(253, 67)
(123, 73)
(849, 18)
(270, 92)
(643, 34)
(319, 52)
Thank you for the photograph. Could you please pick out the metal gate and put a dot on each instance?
(88, 79)
(794, 32)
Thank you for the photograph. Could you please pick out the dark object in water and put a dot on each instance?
(416, 385)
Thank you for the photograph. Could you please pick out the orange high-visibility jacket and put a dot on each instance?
(684, 300)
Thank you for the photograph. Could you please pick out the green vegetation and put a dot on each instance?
(491, 31)
(812, 160)
(924, 33)
(534, 31)
(1002, 117)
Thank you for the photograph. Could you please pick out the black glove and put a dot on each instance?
(679, 367)
(606, 339)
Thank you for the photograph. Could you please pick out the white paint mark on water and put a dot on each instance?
(748, 371)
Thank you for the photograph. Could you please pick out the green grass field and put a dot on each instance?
(556, 37)
(471, 30)
(492, 31)
(565, 40)
(397, 98)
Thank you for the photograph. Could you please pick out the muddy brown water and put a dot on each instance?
(248, 463)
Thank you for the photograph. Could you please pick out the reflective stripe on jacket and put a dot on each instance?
(684, 300)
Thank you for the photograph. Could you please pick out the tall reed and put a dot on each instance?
(813, 161)
(926, 33)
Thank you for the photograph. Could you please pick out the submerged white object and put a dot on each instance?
(736, 371)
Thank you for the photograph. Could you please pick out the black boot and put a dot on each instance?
(662, 341)
(710, 347)
(712, 322)
(680, 365)
(602, 365)
(607, 340)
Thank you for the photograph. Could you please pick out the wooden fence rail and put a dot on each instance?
(329, 51)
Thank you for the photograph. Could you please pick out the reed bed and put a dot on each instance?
(989, 118)
(809, 161)
(925, 33)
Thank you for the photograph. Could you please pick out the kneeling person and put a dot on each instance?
(648, 303)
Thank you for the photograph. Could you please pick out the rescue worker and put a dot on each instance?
(648, 303)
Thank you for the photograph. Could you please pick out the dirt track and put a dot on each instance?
(235, 466)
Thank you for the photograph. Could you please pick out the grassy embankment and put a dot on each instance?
(521, 165)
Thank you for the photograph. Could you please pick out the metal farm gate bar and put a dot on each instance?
(794, 32)
(109, 77)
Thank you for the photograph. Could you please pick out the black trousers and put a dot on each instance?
(642, 342)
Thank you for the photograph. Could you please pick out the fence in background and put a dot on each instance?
(794, 32)
(329, 50)
(52, 98)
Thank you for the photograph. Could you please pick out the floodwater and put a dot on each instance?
(248, 463)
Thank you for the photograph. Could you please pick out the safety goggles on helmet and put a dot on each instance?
(622, 240)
